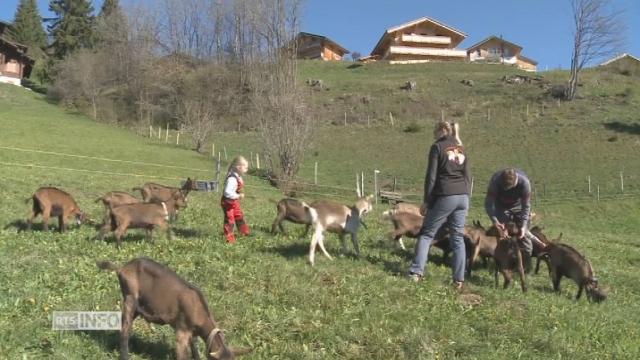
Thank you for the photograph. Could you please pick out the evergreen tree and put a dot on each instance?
(27, 27)
(109, 7)
(72, 29)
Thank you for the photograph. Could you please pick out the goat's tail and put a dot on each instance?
(107, 265)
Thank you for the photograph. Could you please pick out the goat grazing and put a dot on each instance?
(567, 261)
(335, 217)
(292, 210)
(160, 296)
(51, 201)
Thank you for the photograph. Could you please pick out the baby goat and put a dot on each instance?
(162, 297)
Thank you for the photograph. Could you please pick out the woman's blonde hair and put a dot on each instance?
(448, 129)
(236, 162)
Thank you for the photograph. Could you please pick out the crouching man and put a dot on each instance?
(509, 199)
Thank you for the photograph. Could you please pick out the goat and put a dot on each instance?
(292, 210)
(159, 193)
(482, 245)
(537, 250)
(335, 217)
(409, 224)
(567, 261)
(51, 201)
(162, 297)
(116, 198)
(407, 208)
(142, 215)
(508, 257)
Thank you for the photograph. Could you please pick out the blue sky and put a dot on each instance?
(542, 27)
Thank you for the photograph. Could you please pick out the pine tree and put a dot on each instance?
(27, 27)
(72, 29)
(109, 7)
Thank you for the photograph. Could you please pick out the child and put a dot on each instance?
(230, 202)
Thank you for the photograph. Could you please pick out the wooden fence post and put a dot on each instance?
(362, 183)
(159, 132)
(258, 161)
(178, 138)
(315, 173)
(391, 118)
(598, 191)
(471, 191)
(150, 131)
(166, 136)
(375, 185)
(225, 152)
(621, 182)
(589, 182)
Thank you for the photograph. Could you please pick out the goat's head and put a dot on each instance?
(595, 293)
(81, 217)
(364, 205)
(180, 199)
(223, 352)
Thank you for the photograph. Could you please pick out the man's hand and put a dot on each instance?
(502, 230)
(423, 209)
(521, 232)
(241, 196)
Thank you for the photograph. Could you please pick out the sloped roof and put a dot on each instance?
(529, 60)
(623, 55)
(416, 22)
(323, 38)
(493, 37)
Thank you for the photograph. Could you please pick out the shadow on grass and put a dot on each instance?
(623, 128)
(152, 350)
(291, 251)
(187, 233)
(21, 225)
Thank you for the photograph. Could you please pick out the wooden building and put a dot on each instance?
(311, 46)
(14, 61)
(624, 63)
(419, 41)
(495, 50)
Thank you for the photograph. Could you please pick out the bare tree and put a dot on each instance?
(278, 101)
(599, 32)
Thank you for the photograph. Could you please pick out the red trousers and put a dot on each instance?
(233, 215)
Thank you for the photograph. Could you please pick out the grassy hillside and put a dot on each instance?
(263, 292)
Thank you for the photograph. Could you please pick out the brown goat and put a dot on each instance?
(335, 217)
(407, 208)
(116, 198)
(51, 201)
(292, 210)
(162, 297)
(156, 192)
(143, 215)
(508, 257)
(409, 224)
(567, 261)
(482, 245)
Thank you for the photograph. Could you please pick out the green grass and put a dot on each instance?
(263, 292)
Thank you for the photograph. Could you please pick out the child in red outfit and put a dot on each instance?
(231, 196)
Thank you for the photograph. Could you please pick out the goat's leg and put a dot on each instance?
(343, 243)
(277, 223)
(555, 279)
(579, 294)
(45, 219)
(495, 274)
(104, 229)
(30, 220)
(356, 247)
(194, 348)
(183, 340)
(321, 244)
(306, 230)
(507, 277)
(62, 225)
(312, 247)
(128, 315)
(120, 232)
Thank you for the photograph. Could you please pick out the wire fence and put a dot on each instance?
(408, 188)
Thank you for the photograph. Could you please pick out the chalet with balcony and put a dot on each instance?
(495, 50)
(419, 41)
(14, 62)
(623, 63)
(311, 46)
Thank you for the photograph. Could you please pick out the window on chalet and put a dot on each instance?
(12, 66)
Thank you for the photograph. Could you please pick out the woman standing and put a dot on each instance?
(446, 196)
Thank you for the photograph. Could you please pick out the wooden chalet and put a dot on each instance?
(419, 41)
(311, 46)
(496, 50)
(623, 62)
(14, 61)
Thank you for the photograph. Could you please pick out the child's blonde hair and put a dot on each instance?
(236, 162)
